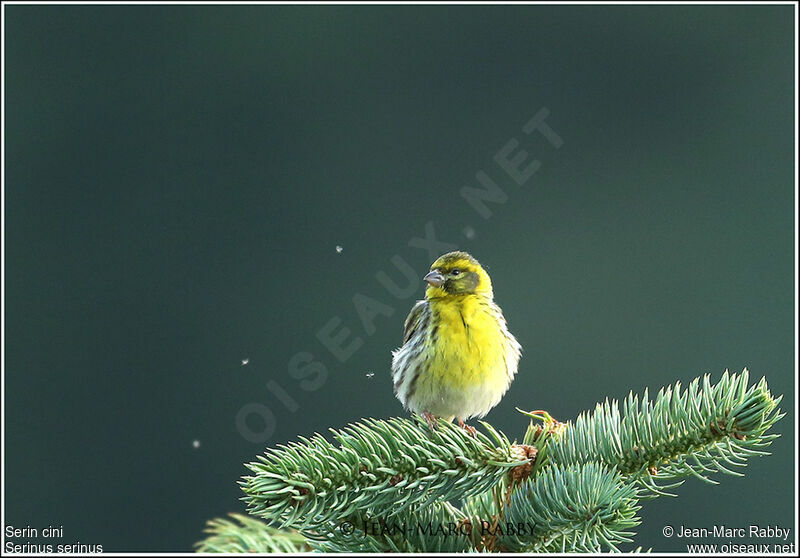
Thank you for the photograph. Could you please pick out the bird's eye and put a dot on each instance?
(455, 272)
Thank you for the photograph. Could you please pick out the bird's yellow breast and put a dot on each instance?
(469, 344)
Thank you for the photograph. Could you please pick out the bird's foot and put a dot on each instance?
(470, 429)
(430, 418)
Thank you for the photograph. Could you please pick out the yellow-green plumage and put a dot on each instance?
(458, 357)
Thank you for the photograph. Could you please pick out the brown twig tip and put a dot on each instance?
(520, 452)
(488, 541)
(395, 479)
(466, 524)
(720, 428)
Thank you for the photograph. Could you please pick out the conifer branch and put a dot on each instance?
(702, 430)
(439, 527)
(577, 508)
(387, 465)
(571, 486)
(246, 534)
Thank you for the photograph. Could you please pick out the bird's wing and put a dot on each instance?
(414, 319)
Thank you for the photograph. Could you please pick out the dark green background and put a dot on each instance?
(177, 179)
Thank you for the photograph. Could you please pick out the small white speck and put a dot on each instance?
(339, 249)
(195, 444)
(245, 361)
(369, 374)
(469, 233)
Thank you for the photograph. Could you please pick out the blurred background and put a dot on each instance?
(178, 179)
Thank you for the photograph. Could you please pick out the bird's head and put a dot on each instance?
(457, 273)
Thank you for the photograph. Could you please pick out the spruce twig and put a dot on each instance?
(241, 533)
(697, 432)
(572, 486)
(390, 466)
(439, 527)
(577, 508)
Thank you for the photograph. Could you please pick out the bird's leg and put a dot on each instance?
(430, 418)
(468, 428)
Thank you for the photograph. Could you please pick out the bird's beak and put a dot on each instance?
(434, 278)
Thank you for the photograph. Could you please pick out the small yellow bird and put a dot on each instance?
(458, 357)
